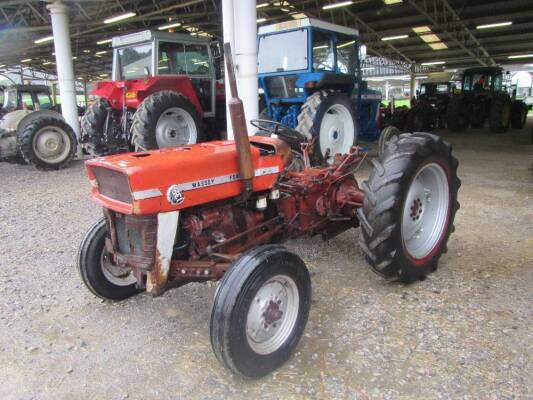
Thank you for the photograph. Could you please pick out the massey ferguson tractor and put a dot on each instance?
(310, 76)
(484, 97)
(163, 94)
(171, 217)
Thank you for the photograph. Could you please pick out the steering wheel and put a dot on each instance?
(277, 128)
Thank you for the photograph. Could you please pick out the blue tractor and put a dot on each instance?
(310, 77)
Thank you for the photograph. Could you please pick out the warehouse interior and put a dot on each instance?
(460, 70)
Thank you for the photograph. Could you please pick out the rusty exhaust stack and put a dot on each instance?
(238, 121)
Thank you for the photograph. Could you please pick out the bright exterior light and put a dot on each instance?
(259, 20)
(434, 63)
(168, 26)
(395, 37)
(44, 39)
(26, 60)
(422, 29)
(521, 56)
(495, 25)
(104, 41)
(335, 5)
(100, 52)
(262, 5)
(438, 46)
(120, 17)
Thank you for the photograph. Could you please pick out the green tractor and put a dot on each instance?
(485, 97)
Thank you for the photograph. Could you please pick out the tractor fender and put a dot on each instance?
(11, 120)
(33, 115)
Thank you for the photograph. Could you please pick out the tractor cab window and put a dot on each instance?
(323, 57)
(171, 59)
(27, 100)
(443, 89)
(477, 82)
(134, 61)
(197, 59)
(45, 103)
(281, 52)
(10, 100)
(497, 82)
(346, 54)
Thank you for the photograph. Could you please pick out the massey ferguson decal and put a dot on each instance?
(174, 195)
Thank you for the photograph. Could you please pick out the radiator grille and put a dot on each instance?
(113, 184)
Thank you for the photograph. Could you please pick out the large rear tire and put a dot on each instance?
(519, 112)
(409, 206)
(456, 117)
(97, 271)
(166, 119)
(260, 311)
(93, 126)
(500, 114)
(330, 118)
(48, 143)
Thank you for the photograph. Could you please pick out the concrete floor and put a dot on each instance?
(464, 333)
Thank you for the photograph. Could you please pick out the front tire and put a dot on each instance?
(409, 207)
(97, 272)
(166, 119)
(330, 118)
(260, 311)
(48, 143)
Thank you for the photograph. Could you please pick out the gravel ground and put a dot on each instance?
(464, 333)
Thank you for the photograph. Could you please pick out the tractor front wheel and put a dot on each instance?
(166, 119)
(97, 270)
(500, 114)
(260, 311)
(330, 118)
(409, 206)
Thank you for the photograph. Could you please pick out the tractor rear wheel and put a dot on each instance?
(260, 311)
(166, 119)
(456, 117)
(500, 114)
(409, 206)
(386, 134)
(329, 117)
(93, 126)
(47, 143)
(518, 114)
(103, 278)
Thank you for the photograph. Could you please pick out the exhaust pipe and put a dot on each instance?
(240, 132)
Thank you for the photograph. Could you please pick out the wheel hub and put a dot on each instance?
(175, 127)
(51, 144)
(337, 131)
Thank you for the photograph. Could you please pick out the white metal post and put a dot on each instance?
(65, 67)
(240, 30)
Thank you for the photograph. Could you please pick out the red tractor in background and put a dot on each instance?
(164, 93)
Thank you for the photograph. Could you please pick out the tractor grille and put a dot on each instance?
(113, 184)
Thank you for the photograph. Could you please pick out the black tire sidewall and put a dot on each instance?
(89, 266)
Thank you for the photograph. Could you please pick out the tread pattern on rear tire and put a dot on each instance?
(380, 237)
(496, 124)
(92, 126)
(146, 117)
(519, 112)
(455, 114)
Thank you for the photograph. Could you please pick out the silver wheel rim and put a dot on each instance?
(337, 131)
(272, 314)
(175, 127)
(51, 144)
(425, 211)
(114, 274)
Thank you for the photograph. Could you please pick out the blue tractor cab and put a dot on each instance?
(310, 76)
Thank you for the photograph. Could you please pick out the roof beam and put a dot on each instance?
(444, 17)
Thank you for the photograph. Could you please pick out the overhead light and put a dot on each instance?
(87, 51)
(47, 62)
(104, 41)
(103, 75)
(259, 20)
(431, 38)
(2, 66)
(168, 26)
(335, 5)
(434, 63)
(495, 25)
(521, 56)
(100, 52)
(422, 29)
(395, 37)
(299, 15)
(389, 2)
(285, 10)
(340, 46)
(438, 46)
(421, 77)
(74, 58)
(26, 60)
(262, 5)
(367, 68)
(324, 46)
(44, 39)
(120, 17)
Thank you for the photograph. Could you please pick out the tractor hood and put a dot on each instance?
(181, 177)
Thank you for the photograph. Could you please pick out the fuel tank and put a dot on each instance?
(177, 178)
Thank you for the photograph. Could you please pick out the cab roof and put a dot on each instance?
(149, 36)
(304, 23)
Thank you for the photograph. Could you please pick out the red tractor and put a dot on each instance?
(164, 93)
(171, 218)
